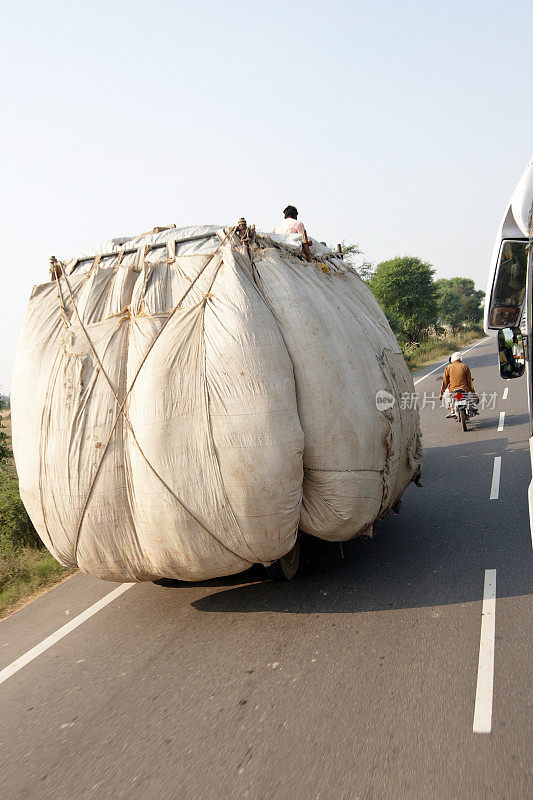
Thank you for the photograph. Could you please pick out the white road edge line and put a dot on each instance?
(495, 487)
(485, 671)
(10, 670)
(505, 393)
(443, 364)
(502, 420)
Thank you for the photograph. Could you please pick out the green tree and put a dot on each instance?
(365, 269)
(459, 302)
(405, 289)
(450, 310)
(350, 250)
(396, 323)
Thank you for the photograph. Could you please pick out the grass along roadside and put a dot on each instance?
(435, 349)
(24, 573)
(25, 565)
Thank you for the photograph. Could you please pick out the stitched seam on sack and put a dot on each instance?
(128, 482)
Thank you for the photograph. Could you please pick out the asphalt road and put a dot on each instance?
(356, 682)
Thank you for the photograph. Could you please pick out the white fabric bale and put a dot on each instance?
(343, 351)
(196, 403)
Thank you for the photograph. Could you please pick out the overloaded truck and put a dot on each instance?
(186, 401)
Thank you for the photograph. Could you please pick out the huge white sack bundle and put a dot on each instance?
(184, 401)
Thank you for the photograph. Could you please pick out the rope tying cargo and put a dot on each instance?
(316, 469)
(268, 365)
(60, 272)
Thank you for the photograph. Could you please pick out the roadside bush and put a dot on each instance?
(416, 355)
(5, 449)
(25, 565)
(16, 529)
(23, 572)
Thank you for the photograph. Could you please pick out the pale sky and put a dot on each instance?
(401, 126)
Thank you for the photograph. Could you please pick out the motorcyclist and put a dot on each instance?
(457, 376)
(446, 395)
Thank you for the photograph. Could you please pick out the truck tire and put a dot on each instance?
(286, 567)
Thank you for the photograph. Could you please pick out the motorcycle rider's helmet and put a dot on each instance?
(456, 357)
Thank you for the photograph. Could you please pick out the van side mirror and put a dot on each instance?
(504, 315)
(511, 353)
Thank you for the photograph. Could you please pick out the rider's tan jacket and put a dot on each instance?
(457, 376)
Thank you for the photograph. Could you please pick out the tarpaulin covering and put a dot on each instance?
(181, 408)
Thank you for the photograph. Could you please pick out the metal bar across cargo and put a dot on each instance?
(156, 246)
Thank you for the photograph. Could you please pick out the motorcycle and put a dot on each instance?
(463, 405)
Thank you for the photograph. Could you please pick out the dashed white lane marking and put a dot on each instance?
(485, 670)
(505, 393)
(444, 363)
(495, 488)
(10, 670)
(502, 420)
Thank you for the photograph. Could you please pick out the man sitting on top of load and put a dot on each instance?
(290, 224)
(457, 376)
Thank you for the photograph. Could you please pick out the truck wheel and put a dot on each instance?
(286, 567)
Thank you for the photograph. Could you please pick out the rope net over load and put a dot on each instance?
(185, 400)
